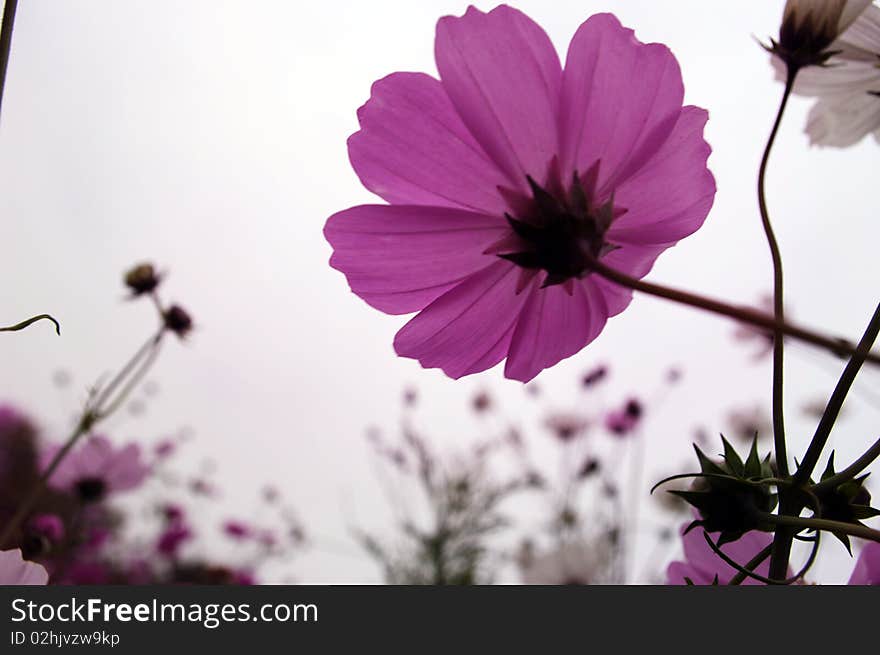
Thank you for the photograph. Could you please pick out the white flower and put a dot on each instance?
(14, 570)
(826, 19)
(809, 27)
(848, 108)
(573, 563)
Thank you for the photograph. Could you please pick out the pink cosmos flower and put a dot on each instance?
(237, 530)
(14, 570)
(506, 177)
(97, 468)
(867, 569)
(623, 422)
(701, 565)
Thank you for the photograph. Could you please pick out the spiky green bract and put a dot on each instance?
(848, 502)
(730, 495)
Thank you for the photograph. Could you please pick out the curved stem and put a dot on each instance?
(803, 523)
(96, 411)
(6, 41)
(778, 303)
(753, 563)
(782, 540)
(850, 471)
(82, 427)
(835, 403)
(840, 347)
(148, 346)
(746, 571)
(30, 321)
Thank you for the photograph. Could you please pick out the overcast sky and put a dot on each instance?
(209, 137)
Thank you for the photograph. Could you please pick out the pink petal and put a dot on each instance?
(503, 76)
(125, 470)
(14, 570)
(677, 573)
(620, 100)
(468, 329)
(554, 325)
(635, 261)
(413, 148)
(670, 197)
(867, 569)
(400, 258)
(702, 564)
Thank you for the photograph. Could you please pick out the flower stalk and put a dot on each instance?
(109, 400)
(838, 346)
(9, 8)
(782, 539)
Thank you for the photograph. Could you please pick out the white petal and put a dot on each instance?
(841, 77)
(843, 120)
(850, 13)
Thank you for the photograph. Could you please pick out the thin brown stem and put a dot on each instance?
(851, 471)
(805, 523)
(778, 301)
(9, 9)
(82, 427)
(840, 347)
(752, 564)
(782, 538)
(30, 321)
(110, 399)
(835, 403)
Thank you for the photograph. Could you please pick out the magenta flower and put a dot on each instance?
(701, 565)
(623, 422)
(507, 177)
(50, 526)
(173, 538)
(237, 530)
(97, 468)
(16, 571)
(867, 569)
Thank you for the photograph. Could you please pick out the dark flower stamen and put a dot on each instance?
(562, 234)
(90, 490)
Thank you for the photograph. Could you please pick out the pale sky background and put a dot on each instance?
(209, 137)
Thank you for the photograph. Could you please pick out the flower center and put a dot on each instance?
(561, 233)
(90, 489)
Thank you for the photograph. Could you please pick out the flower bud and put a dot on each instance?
(809, 27)
(142, 279)
(178, 320)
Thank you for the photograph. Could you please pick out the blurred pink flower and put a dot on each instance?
(701, 565)
(97, 468)
(507, 177)
(172, 538)
(567, 426)
(16, 571)
(50, 526)
(581, 562)
(237, 530)
(622, 422)
(85, 572)
(867, 569)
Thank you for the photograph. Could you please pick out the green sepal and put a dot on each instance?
(707, 465)
(753, 467)
(732, 459)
